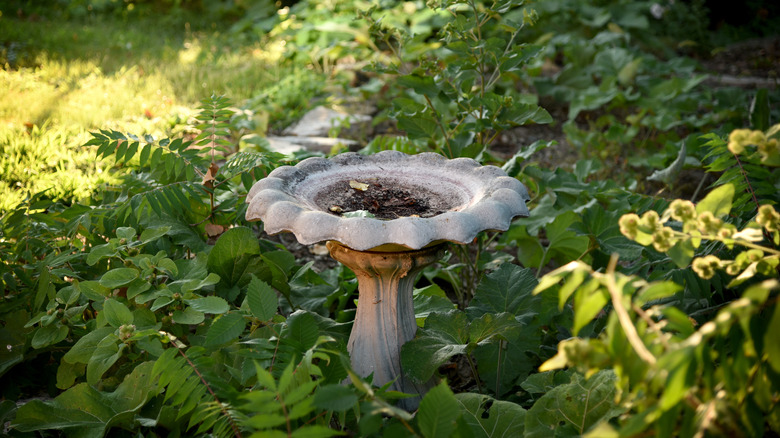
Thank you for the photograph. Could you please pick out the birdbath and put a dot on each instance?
(386, 216)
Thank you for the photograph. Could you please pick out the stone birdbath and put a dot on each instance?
(386, 216)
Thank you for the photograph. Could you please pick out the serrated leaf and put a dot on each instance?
(335, 397)
(228, 258)
(301, 330)
(226, 328)
(507, 289)
(262, 299)
(438, 412)
(444, 335)
(575, 407)
(491, 418)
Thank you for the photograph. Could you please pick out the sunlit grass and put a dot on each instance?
(139, 76)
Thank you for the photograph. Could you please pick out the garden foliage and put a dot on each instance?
(623, 306)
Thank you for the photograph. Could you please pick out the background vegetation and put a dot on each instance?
(640, 297)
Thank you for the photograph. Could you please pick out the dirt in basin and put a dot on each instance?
(382, 201)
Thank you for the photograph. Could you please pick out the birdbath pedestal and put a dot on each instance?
(386, 216)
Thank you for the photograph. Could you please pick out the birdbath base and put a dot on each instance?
(385, 313)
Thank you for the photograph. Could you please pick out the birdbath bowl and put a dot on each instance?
(386, 216)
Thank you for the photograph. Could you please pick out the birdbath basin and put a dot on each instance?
(386, 216)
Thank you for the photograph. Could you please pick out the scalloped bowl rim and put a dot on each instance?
(477, 198)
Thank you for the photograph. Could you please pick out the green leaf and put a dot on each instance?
(127, 233)
(49, 335)
(507, 289)
(215, 305)
(108, 351)
(83, 349)
(444, 335)
(301, 330)
(589, 300)
(228, 258)
(418, 126)
(573, 408)
(335, 397)
(488, 417)
(118, 277)
(681, 253)
(771, 346)
(422, 85)
(718, 201)
(438, 412)
(116, 313)
(92, 290)
(227, 328)
(188, 316)
(85, 412)
(262, 300)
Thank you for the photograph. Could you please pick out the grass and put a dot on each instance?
(63, 78)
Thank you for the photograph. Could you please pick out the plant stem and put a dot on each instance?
(236, 431)
(622, 314)
(474, 372)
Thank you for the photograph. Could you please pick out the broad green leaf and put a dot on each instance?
(228, 327)
(301, 330)
(428, 300)
(262, 300)
(118, 277)
(116, 313)
(491, 418)
(656, 291)
(229, 257)
(152, 234)
(682, 253)
(85, 412)
(417, 126)
(92, 290)
(718, 201)
(335, 397)
(49, 335)
(422, 85)
(127, 233)
(444, 335)
(215, 305)
(108, 351)
(82, 350)
(508, 289)
(67, 373)
(573, 408)
(438, 412)
(169, 266)
(188, 316)
(589, 300)
(679, 378)
(98, 252)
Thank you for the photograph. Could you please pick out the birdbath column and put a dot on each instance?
(385, 313)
